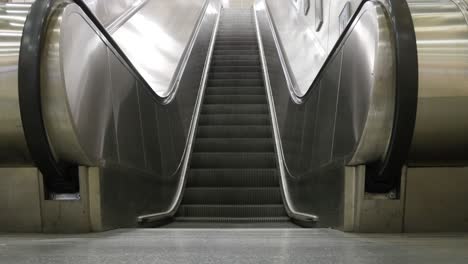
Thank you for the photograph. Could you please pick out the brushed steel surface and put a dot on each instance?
(13, 149)
(99, 113)
(155, 39)
(346, 120)
(110, 12)
(75, 117)
(307, 39)
(442, 117)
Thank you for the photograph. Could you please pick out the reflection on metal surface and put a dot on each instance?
(347, 119)
(99, 113)
(307, 40)
(318, 14)
(289, 205)
(13, 149)
(156, 45)
(345, 16)
(442, 118)
(172, 208)
(111, 12)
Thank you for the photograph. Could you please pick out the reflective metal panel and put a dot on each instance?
(155, 43)
(440, 136)
(99, 113)
(108, 11)
(13, 149)
(346, 119)
(77, 122)
(308, 38)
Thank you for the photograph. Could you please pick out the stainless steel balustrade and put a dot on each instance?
(98, 114)
(71, 41)
(99, 111)
(346, 119)
(338, 101)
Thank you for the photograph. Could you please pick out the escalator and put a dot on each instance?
(288, 112)
(233, 173)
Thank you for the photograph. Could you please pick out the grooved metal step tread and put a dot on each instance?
(237, 48)
(235, 99)
(236, 57)
(245, 62)
(236, 42)
(233, 160)
(236, 69)
(235, 82)
(226, 39)
(249, 90)
(232, 219)
(234, 145)
(228, 52)
(232, 195)
(235, 109)
(233, 178)
(210, 210)
(234, 131)
(236, 75)
(233, 119)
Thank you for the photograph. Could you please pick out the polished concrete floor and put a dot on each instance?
(321, 246)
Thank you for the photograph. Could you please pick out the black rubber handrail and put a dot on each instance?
(59, 177)
(385, 175)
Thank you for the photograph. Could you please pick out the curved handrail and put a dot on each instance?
(160, 216)
(384, 174)
(58, 176)
(291, 211)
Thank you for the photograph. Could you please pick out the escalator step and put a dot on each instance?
(253, 90)
(235, 82)
(237, 47)
(232, 219)
(234, 145)
(235, 109)
(233, 119)
(234, 131)
(213, 210)
(235, 75)
(226, 52)
(235, 99)
(236, 69)
(232, 195)
(233, 175)
(233, 160)
(244, 62)
(232, 178)
(236, 57)
(236, 42)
